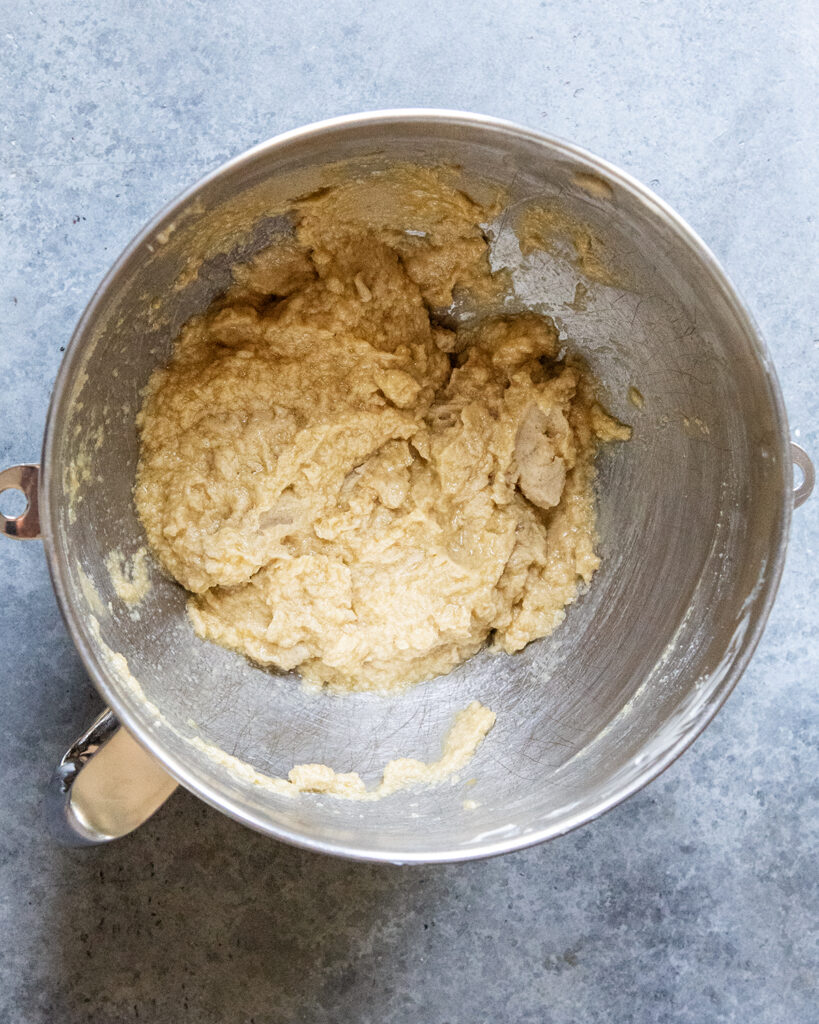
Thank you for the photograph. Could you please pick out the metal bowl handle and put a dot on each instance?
(23, 478)
(800, 458)
(105, 786)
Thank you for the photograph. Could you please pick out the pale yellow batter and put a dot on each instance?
(464, 737)
(348, 488)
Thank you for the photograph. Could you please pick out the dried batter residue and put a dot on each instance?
(90, 592)
(129, 576)
(78, 472)
(596, 186)
(464, 737)
(548, 226)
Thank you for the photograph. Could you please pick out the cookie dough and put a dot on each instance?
(347, 486)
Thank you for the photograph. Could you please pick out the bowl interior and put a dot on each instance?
(691, 515)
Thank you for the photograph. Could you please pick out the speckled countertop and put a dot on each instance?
(696, 901)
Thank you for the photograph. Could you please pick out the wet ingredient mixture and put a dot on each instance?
(346, 486)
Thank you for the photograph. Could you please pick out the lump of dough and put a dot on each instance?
(234, 326)
(542, 471)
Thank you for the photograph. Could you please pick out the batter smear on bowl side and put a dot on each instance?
(350, 489)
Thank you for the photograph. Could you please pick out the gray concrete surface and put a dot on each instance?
(696, 901)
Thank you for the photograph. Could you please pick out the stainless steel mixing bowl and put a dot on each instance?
(693, 521)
